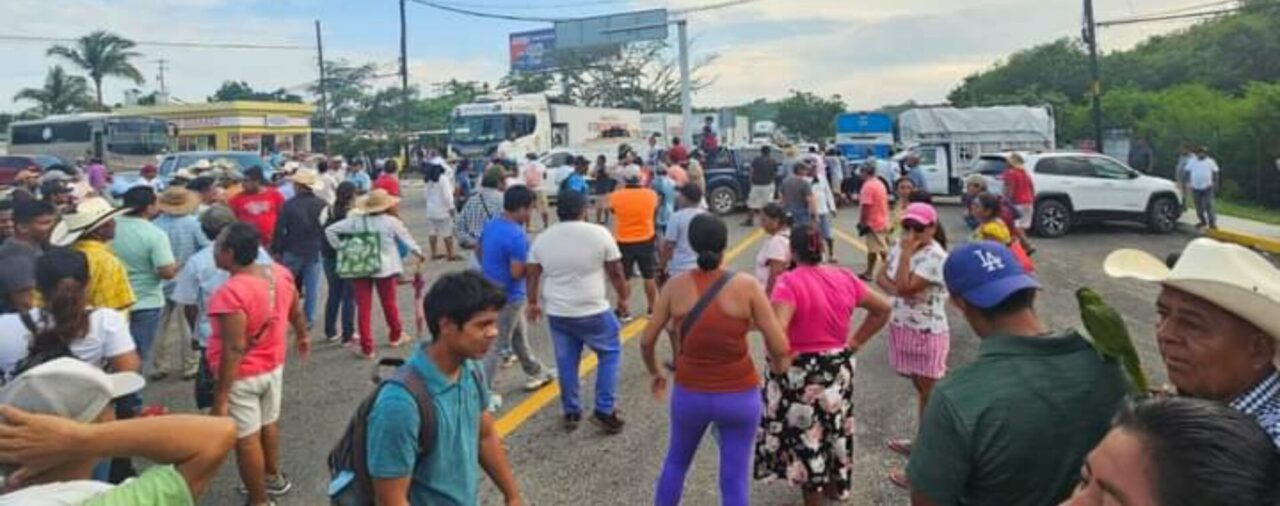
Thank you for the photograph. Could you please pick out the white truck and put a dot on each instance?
(513, 126)
(949, 140)
(666, 125)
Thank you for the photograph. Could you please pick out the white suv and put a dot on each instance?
(1073, 187)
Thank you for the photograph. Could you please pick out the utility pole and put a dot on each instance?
(160, 63)
(686, 92)
(404, 83)
(1095, 81)
(324, 93)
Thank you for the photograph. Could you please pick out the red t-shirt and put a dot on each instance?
(250, 294)
(1018, 187)
(389, 183)
(260, 209)
(874, 201)
(678, 154)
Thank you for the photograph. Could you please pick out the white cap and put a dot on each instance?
(68, 388)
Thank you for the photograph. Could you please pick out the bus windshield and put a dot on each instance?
(490, 128)
(137, 136)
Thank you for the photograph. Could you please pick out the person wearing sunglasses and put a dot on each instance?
(919, 334)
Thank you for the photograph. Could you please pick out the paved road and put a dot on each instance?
(587, 468)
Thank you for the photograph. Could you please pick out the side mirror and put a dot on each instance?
(1133, 174)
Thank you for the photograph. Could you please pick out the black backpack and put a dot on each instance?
(350, 454)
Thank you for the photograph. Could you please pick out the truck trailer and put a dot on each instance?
(949, 140)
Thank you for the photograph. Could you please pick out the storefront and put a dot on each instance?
(235, 126)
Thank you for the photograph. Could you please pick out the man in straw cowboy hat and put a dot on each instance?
(179, 222)
(1219, 334)
(299, 234)
(89, 228)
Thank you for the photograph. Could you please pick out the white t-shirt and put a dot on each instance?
(1200, 173)
(439, 196)
(776, 247)
(108, 337)
(572, 255)
(925, 311)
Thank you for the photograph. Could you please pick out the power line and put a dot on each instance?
(712, 7)
(526, 6)
(1168, 17)
(162, 43)
(536, 19)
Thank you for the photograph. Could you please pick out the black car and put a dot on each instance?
(729, 176)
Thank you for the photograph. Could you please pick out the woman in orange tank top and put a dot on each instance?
(715, 379)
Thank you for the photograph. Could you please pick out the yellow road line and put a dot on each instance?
(521, 413)
(851, 240)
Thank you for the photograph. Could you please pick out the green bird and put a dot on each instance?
(1110, 335)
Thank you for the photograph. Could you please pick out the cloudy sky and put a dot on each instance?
(872, 52)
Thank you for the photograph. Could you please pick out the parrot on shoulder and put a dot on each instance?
(1110, 335)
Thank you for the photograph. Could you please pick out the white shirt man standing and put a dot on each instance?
(1203, 177)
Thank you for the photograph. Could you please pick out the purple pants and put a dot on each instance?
(736, 416)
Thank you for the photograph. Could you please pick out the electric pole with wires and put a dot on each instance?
(404, 85)
(1095, 72)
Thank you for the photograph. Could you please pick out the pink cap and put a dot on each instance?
(921, 213)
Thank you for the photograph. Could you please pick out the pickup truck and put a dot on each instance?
(729, 176)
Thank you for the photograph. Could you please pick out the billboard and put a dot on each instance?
(612, 29)
(531, 51)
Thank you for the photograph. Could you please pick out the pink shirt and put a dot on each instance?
(250, 294)
(874, 202)
(824, 298)
(678, 174)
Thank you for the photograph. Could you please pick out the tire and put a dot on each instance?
(1163, 214)
(1052, 218)
(722, 200)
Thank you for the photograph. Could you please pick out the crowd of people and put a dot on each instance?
(207, 276)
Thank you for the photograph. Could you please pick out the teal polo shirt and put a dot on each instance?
(450, 474)
(143, 247)
(1013, 427)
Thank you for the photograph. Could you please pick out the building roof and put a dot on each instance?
(233, 107)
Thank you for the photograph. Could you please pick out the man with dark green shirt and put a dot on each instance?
(1013, 427)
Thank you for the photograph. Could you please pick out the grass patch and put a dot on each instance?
(1248, 211)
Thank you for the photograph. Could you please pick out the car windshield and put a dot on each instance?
(490, 128)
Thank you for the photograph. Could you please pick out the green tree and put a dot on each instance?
(101, 54)
(633, 76)
(240, 90)
(809, 116)
(526, 82)
(347, 86)
(62, 93)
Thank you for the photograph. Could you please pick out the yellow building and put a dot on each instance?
(235, 126)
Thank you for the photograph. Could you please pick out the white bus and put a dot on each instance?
(123, 143)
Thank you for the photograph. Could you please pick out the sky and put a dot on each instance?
(871, 52)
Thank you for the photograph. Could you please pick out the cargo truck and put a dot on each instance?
(513, 126)
(949, 140)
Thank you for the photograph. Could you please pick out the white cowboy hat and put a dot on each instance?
(375, 201)
(201, 164)
(306, 177)
(290, 167)
(88, 215)
(1229, 276)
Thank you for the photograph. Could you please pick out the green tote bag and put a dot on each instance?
(359, 253)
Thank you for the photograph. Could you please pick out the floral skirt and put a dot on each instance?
(806, 434)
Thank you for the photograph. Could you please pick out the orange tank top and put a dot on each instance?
(714, 356)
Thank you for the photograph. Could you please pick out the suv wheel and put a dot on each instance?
(1162, 215)
(1052, 218)
(722, 200)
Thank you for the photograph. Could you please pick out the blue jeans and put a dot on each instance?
(143, 324)
(800, 216)
(600, 333)
(306, 273)
(1204, 207)
(341, 298)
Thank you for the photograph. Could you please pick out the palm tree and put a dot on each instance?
(102, 54)
(62, 93)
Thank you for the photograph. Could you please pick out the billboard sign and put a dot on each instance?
(531, 51)
(612, 30)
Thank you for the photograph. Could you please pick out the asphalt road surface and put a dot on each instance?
(589, 468)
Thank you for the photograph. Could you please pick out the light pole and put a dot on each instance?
(686, 91)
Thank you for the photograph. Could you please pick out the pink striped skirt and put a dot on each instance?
(916, 353)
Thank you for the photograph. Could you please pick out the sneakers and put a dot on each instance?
(609, 423)
(540, 380)
(495, 402)
(276, 486)
(509, 361)
(332, 339)
(571, 422)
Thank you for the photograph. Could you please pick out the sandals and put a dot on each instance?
(898, 477)
(901, 446)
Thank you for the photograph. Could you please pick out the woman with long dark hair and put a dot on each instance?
(715, 379)
(65, 325)
(341, 299)
(774, 257)
(806, 434)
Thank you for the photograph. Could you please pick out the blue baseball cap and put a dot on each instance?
(985, 273)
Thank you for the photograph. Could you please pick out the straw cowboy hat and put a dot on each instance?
(88, 215)
(1229, 276)
(201, 164)
(306, 177)
(375, 202)
(178, 201)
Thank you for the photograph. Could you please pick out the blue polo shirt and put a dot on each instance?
(450, 474)
(503, 241)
